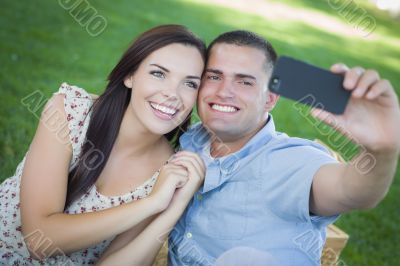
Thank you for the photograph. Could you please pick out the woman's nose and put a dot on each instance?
(170, 91)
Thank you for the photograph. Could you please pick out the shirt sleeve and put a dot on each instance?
(295, 162)
(309, 172)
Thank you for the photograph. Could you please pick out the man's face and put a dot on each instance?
(234, 100)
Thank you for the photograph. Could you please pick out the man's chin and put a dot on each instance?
(219, 128)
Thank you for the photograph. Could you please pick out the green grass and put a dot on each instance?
(42, 46)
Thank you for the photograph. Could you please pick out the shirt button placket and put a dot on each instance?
(199, 197)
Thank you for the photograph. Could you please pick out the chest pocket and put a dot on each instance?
(227, 211)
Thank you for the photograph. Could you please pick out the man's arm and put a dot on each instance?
(372, 119)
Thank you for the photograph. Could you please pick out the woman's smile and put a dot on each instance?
(163, 112)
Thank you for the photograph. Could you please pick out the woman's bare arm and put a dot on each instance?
(47, 230)
(141, 249)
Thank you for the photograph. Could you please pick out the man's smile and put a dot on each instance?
(224, 108)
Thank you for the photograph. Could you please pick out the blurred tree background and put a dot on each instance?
(44, 43)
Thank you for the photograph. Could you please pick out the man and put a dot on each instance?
(264, 190)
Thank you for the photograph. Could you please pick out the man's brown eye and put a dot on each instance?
(212, 77)
(246, 83)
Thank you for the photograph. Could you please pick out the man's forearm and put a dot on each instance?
(366, 190)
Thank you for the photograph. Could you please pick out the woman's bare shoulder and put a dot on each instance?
(94, 96)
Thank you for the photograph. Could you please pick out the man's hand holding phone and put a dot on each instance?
(356, 102)
(372, 115)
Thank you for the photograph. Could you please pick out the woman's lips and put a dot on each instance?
(163, 112)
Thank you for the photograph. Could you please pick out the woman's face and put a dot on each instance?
(165, 87)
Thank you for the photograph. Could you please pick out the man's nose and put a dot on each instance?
(225, 89)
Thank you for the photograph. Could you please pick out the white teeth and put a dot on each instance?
(226, 109)
(163, 109)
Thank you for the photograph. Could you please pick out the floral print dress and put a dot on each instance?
(13, 250)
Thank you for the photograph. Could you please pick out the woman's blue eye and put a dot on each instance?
(158, 74)
(192, 84)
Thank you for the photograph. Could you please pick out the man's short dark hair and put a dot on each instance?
(247, 38)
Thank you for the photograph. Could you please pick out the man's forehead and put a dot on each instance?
(230, 58)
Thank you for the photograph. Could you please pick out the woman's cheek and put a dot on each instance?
(192, 98)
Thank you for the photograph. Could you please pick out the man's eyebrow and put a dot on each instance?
(215, 71)
(245, 76)
(239, 75)
(163, 68)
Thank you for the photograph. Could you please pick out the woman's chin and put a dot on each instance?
(160, 130)
(159, 126)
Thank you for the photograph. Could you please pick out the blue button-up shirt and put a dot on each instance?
(257, 197)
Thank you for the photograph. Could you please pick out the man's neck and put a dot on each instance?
(222, 147)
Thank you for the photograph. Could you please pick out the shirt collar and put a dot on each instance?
(197, 139)
(219, 170)
(261, 138)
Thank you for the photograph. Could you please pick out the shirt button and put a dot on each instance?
(199, 197)
(189, 235)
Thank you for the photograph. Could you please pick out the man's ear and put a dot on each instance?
(128, 81)
(272, 99)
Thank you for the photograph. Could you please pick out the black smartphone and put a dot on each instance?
(308, 84)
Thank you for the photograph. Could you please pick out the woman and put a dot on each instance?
(90, 161)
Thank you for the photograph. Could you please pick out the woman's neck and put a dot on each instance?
(133, 139)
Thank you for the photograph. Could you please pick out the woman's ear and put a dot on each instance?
(272, 99)
(128, 82)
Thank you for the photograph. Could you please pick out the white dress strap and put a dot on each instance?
(77, 104)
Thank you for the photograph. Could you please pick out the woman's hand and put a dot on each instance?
(171, 177)
(196, 170)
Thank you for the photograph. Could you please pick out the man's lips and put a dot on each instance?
(224, 108)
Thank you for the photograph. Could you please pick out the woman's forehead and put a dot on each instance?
(177, 57)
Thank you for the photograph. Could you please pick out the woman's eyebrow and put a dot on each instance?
(193, 77)
(166, 70)
(163, 68)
